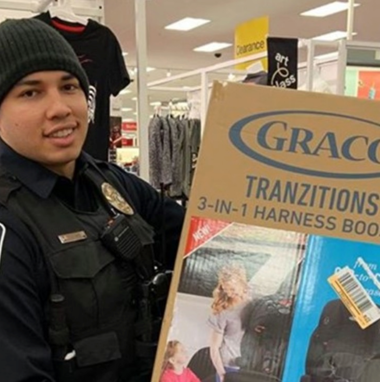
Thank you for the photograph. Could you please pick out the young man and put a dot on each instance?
(78, 288)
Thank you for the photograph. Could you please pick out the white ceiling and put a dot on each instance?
(174, 50)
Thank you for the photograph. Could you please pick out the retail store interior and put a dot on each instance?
(152, 67)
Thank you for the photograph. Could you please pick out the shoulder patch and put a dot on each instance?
(3, 231)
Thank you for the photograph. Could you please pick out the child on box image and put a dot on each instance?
(231, 298)
(174, 365)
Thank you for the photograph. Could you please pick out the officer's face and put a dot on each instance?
(44, 118)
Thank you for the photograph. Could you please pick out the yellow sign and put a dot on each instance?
(251, 38)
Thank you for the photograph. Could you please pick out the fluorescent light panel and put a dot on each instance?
(328, 9)
(187, 24)
(148, 69)
(212, 47)
(332, 36)
(126, 109)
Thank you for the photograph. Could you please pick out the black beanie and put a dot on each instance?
(28, 46)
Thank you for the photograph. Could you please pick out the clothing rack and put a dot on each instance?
(176, 109)
(205, 84)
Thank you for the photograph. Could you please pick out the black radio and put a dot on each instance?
(119, 237)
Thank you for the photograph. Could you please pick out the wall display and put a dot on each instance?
(101, 57)
(129, 134)
(276, 278)
(363, 82)
(116, 139)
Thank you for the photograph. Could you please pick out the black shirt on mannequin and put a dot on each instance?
(101, 57)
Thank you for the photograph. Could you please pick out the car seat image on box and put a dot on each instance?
(266, 335)
(340, 351)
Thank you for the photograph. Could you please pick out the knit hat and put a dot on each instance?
(28, 46)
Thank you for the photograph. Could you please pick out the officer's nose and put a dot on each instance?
(57, 106)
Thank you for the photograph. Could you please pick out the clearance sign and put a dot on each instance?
(250, 38)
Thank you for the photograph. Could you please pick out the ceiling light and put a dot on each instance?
(328, 9)
(126, 91)
(332, 36)
(187, 24)
(148, 69)
(125, 54)
(157, 103)
(212, 47)
(126, 109)
(134, 99)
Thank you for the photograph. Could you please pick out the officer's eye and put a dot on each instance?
(71, 87)
(30, 93)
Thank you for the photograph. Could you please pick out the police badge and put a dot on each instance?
(116, 200)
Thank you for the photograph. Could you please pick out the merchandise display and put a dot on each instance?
(101, 56)
(260, 283)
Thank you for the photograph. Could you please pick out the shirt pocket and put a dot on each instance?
(97, 289)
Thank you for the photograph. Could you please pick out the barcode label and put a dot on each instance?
(355, 297)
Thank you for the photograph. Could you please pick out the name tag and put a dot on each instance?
(72, 237)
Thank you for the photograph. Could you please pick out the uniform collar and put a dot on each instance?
(31, 174)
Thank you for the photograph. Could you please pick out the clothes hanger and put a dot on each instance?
(64, 11)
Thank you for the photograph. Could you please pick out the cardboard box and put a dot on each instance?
(283, 228)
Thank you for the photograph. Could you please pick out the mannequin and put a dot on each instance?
(64, 11)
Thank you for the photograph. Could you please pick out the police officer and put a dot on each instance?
(78, 276)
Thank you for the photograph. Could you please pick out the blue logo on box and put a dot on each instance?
(273, 133)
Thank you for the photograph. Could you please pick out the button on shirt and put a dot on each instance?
(24, 288)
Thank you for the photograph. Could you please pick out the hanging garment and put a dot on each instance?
(175, 136)
(160, 171)
(185, 155)
(195, 142)
(101, 57)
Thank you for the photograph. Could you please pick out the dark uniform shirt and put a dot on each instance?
(24, 286)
